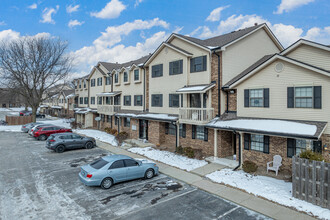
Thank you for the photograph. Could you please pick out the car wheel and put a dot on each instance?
(149, 174)
(60, 149)
(89, 145)
(106, 183)
(43, 137)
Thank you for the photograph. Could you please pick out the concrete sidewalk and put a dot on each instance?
(197, 179)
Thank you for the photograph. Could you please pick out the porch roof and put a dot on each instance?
(82, 110)
(273, 127)
(108, 93)
(56, 107)
(158, 117)
(195, 88)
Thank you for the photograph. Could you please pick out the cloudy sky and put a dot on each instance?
(122, 30)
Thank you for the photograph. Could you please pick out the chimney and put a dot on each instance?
(255, 24)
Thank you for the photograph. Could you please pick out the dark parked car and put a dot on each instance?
(66, 141)
(39, 115)
(25, 128)
(43, 133)
(114, 169)
(25, 113)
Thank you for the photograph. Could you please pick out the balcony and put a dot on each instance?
(196, 115)
(108, 109)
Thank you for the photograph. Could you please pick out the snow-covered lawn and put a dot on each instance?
(272, 189)
(99, 135)
(169, 158)
(17, 128)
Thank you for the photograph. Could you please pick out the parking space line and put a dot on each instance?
(165, 200)
(228, 212)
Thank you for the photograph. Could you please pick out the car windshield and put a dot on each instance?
(51, 137)
(99, 164)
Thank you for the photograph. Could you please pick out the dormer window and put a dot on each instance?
(116, 78)
(125, 77)
(136, 75)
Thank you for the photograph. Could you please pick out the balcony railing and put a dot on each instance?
(196, 115)
(108, 109)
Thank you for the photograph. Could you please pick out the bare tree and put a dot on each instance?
(31, 65)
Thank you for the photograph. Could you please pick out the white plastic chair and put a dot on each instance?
(276, 163)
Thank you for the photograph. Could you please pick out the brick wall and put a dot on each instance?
(326, 141)
(214, 77)
(232, 101)
(134, 134)
(147, 89)
(156, 132)
(225, 144)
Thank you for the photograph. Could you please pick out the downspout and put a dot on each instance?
(176, 137)
(144, 89)
(239, 150)
(218, 115)
(227, 108)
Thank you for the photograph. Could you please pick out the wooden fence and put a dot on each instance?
(311, 181)
(18, 120)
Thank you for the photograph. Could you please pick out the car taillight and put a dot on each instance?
(89, 175)
(23, 126)
(52, 140)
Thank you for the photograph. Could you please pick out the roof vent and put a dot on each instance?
(255, 24)
(279, 67)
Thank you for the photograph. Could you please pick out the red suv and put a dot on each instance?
(44, 132)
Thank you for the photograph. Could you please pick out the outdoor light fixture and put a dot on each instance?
(325, 147)
(232, 91)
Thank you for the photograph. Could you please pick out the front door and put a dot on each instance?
(143, 129)
(317, 146)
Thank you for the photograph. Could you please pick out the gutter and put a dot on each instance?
(239, 150)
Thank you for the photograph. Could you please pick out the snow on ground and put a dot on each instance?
(11, 128)
(17, 128)
(169, 158)
(99, 135)
(272, 189)
(13, 109)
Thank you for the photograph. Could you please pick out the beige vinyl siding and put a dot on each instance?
(242, 54)
(203, 77)
(82, 93)
(96, 89)
(311, 55)
(291, 76)
(166, 84)
(130, 89)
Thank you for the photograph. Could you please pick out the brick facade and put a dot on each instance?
(146, 98)
(156, 132)
(232, 101)
(214, 78)
(325, 138)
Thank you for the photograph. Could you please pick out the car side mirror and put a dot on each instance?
(140, 163)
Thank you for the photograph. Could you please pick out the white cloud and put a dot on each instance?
(33, 6)
(73, 23)
(72, 8)
(137, 2)
(177, 29)
(7, 35)
(319, 35)
(216, 14)
(289, 5)
(47, 15)
(107, 47)
(111, 10)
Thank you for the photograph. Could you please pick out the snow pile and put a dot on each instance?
(169, 158)
(99, 135)
(11, 128)
(59, 122)
(158, 116)
(272, 189)
(277, 126)
(192, 88)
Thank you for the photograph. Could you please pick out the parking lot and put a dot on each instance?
(36, 183)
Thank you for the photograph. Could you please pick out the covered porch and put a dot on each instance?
(108, 103)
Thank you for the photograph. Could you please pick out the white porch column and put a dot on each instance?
(242, 143)
(215, 143)
(178, 133)
(202, 104)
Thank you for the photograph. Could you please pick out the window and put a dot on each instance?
(117, 164)
(99, 81)
(75, 84)
(80, 85)
(138, 100)
(157, 70)
(199, 132)
(93, 100)
(117, 100)
(127, 100)
(257, 142)
(81, 100)
(157, 100)
(75, 136)
(116, 78)
(136, 75)
(84, 83)
(92, 82)
(182, 130)
(127, 122)
(107, 100)
(108, 80)
(304, 97)
(109, 118)
(131, 163)
(300, 146)
(256, 97)
(102, 118)
(195, 100)
(176, 67)
(125, 77)
(99, 164)
(198, 64)
(170, 129)
(99, 100)
(174, 100)
(86, 100)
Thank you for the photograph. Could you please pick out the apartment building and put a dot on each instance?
(282, 105)
(185, 80)
(66, 101)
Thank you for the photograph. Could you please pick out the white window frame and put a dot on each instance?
(303, 97)
(251, 104)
